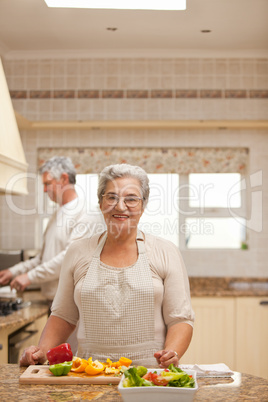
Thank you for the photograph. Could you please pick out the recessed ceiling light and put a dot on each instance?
(120, 4)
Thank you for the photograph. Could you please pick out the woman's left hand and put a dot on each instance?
(166, 357)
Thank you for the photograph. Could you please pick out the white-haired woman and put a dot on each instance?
(128, 291)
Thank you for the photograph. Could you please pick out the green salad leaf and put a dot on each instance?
(173, 377)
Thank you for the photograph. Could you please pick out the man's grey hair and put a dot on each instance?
(113, 172)
(58, 165)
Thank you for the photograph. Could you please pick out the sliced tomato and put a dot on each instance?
(150, 376)
(160, 381)
(155, 379)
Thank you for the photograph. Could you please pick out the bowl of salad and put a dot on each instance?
(157, 385)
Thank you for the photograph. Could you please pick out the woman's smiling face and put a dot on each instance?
(121, 219)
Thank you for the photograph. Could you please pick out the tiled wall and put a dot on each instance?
(144, 89)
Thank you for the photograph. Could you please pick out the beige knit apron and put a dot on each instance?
(118, 310)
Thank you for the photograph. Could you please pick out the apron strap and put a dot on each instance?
(99, 248)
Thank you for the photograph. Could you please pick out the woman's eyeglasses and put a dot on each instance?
(131, 201)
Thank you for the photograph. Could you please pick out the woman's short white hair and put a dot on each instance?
(113, 172)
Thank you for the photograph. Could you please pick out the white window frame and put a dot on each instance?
(210, 212)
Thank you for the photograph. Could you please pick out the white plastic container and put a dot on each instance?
(158, 394)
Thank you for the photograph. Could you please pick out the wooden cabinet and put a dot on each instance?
(230, 330)
(214, 331)
(37, 326)
(252, 336)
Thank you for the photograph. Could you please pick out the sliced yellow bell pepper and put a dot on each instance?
(79, 365)
(124, 361)
(95, 367)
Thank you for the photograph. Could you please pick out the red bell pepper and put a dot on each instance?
(60, 354)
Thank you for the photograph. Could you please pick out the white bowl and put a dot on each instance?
(158, 394)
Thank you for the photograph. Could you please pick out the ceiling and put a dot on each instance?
(238, 28)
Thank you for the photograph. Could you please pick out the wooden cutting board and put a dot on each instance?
(42, 375)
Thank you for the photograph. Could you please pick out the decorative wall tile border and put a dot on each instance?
(114, 94)
(161, 93)
(211, 93)
(18, 94)
(88, 94)
(64, 94)
(258, 94)
(186, 93)
(140, 94)
(39, 94)
(233, 93)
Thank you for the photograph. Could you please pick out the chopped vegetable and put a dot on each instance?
(61, 368)
(79, 365)
(173, 377)
(124, 361)
(95, 367)
(132, 379)
(60, 354)
(141, 371)
(111, 370)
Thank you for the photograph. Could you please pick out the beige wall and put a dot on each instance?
(245, 75)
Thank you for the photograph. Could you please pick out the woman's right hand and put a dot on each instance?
(32, 355)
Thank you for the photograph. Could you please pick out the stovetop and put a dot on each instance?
(8, 307)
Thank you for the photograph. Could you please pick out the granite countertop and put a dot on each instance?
(23, 316)
(228, 287)
(240, 387)
(19, 318)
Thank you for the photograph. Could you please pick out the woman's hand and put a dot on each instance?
(32, 355)
(166, 357)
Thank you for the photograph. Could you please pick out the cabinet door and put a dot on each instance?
(252, 336)
(213, 336)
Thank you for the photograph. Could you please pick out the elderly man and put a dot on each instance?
(68, 223)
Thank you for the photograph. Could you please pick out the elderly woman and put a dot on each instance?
(127, 291)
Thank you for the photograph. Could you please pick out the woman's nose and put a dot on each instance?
(121, 204)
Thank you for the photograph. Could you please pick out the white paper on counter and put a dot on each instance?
(209, 370)
(6, 292)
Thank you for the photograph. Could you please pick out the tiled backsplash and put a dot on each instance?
(144, 89)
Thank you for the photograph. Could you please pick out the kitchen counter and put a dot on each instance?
(24, 316)
(240, 387)
(228, 287)
(34, 316)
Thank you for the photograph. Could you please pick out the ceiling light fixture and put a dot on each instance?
(120, 4)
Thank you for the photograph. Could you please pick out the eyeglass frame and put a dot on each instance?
(118, 199)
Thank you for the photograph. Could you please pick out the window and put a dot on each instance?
(207, 201)
(192, 211)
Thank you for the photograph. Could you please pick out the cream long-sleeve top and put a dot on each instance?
(172, 303)
(70, 222)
